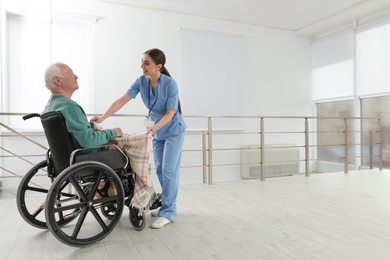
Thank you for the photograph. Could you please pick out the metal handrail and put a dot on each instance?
(208, 148)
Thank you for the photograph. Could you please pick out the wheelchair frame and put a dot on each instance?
(82, 182)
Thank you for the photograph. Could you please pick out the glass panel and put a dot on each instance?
(376, 107)
(331, 132)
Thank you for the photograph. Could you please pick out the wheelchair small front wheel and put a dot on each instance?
(90, 225)
(137, 218)
(109, 211)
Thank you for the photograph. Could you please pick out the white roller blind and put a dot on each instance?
(32, 44)
(373, 60)
(72, 45)
(29, 55)
(333, 67)
(211, 77)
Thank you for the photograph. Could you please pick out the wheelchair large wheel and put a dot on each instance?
(31, 196)
(90, 225)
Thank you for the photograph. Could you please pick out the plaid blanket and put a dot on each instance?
(137, 148)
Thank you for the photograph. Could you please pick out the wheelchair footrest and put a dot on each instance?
(157, 203)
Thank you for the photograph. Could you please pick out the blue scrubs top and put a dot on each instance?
(164, 96)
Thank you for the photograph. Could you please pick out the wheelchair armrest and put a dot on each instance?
(111, 143)
(31, 116)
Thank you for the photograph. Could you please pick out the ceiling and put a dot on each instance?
(313, 18)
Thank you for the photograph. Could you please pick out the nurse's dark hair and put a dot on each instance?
(158, 57)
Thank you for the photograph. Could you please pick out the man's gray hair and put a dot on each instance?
(52, 71)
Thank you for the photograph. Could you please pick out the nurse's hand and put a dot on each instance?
(97, 119)
(152, 130)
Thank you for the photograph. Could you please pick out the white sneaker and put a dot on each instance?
(154, 213)
(160, 222)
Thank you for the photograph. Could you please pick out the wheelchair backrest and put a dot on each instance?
(58, 138)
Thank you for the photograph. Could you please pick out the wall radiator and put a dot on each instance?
(278, 161)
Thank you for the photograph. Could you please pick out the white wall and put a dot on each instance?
(277, 65)
(277, 62)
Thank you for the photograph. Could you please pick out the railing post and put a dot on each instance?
(371, 150)
(380, 143)
(210, 168)
(204, 156)
(262, 174)
(307, 147)
(346, 146)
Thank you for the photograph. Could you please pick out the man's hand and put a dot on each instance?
(118, 131)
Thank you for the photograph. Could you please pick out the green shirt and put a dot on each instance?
(77, 123)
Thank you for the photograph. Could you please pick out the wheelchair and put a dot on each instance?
(86, 191)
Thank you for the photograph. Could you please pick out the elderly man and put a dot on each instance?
(62, 82)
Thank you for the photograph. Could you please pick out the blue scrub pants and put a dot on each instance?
(167, 157)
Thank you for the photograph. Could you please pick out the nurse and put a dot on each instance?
(160, 95)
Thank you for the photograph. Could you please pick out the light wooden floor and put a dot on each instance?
(326, 216)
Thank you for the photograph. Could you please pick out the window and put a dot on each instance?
(32, 44)
(333, 73)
